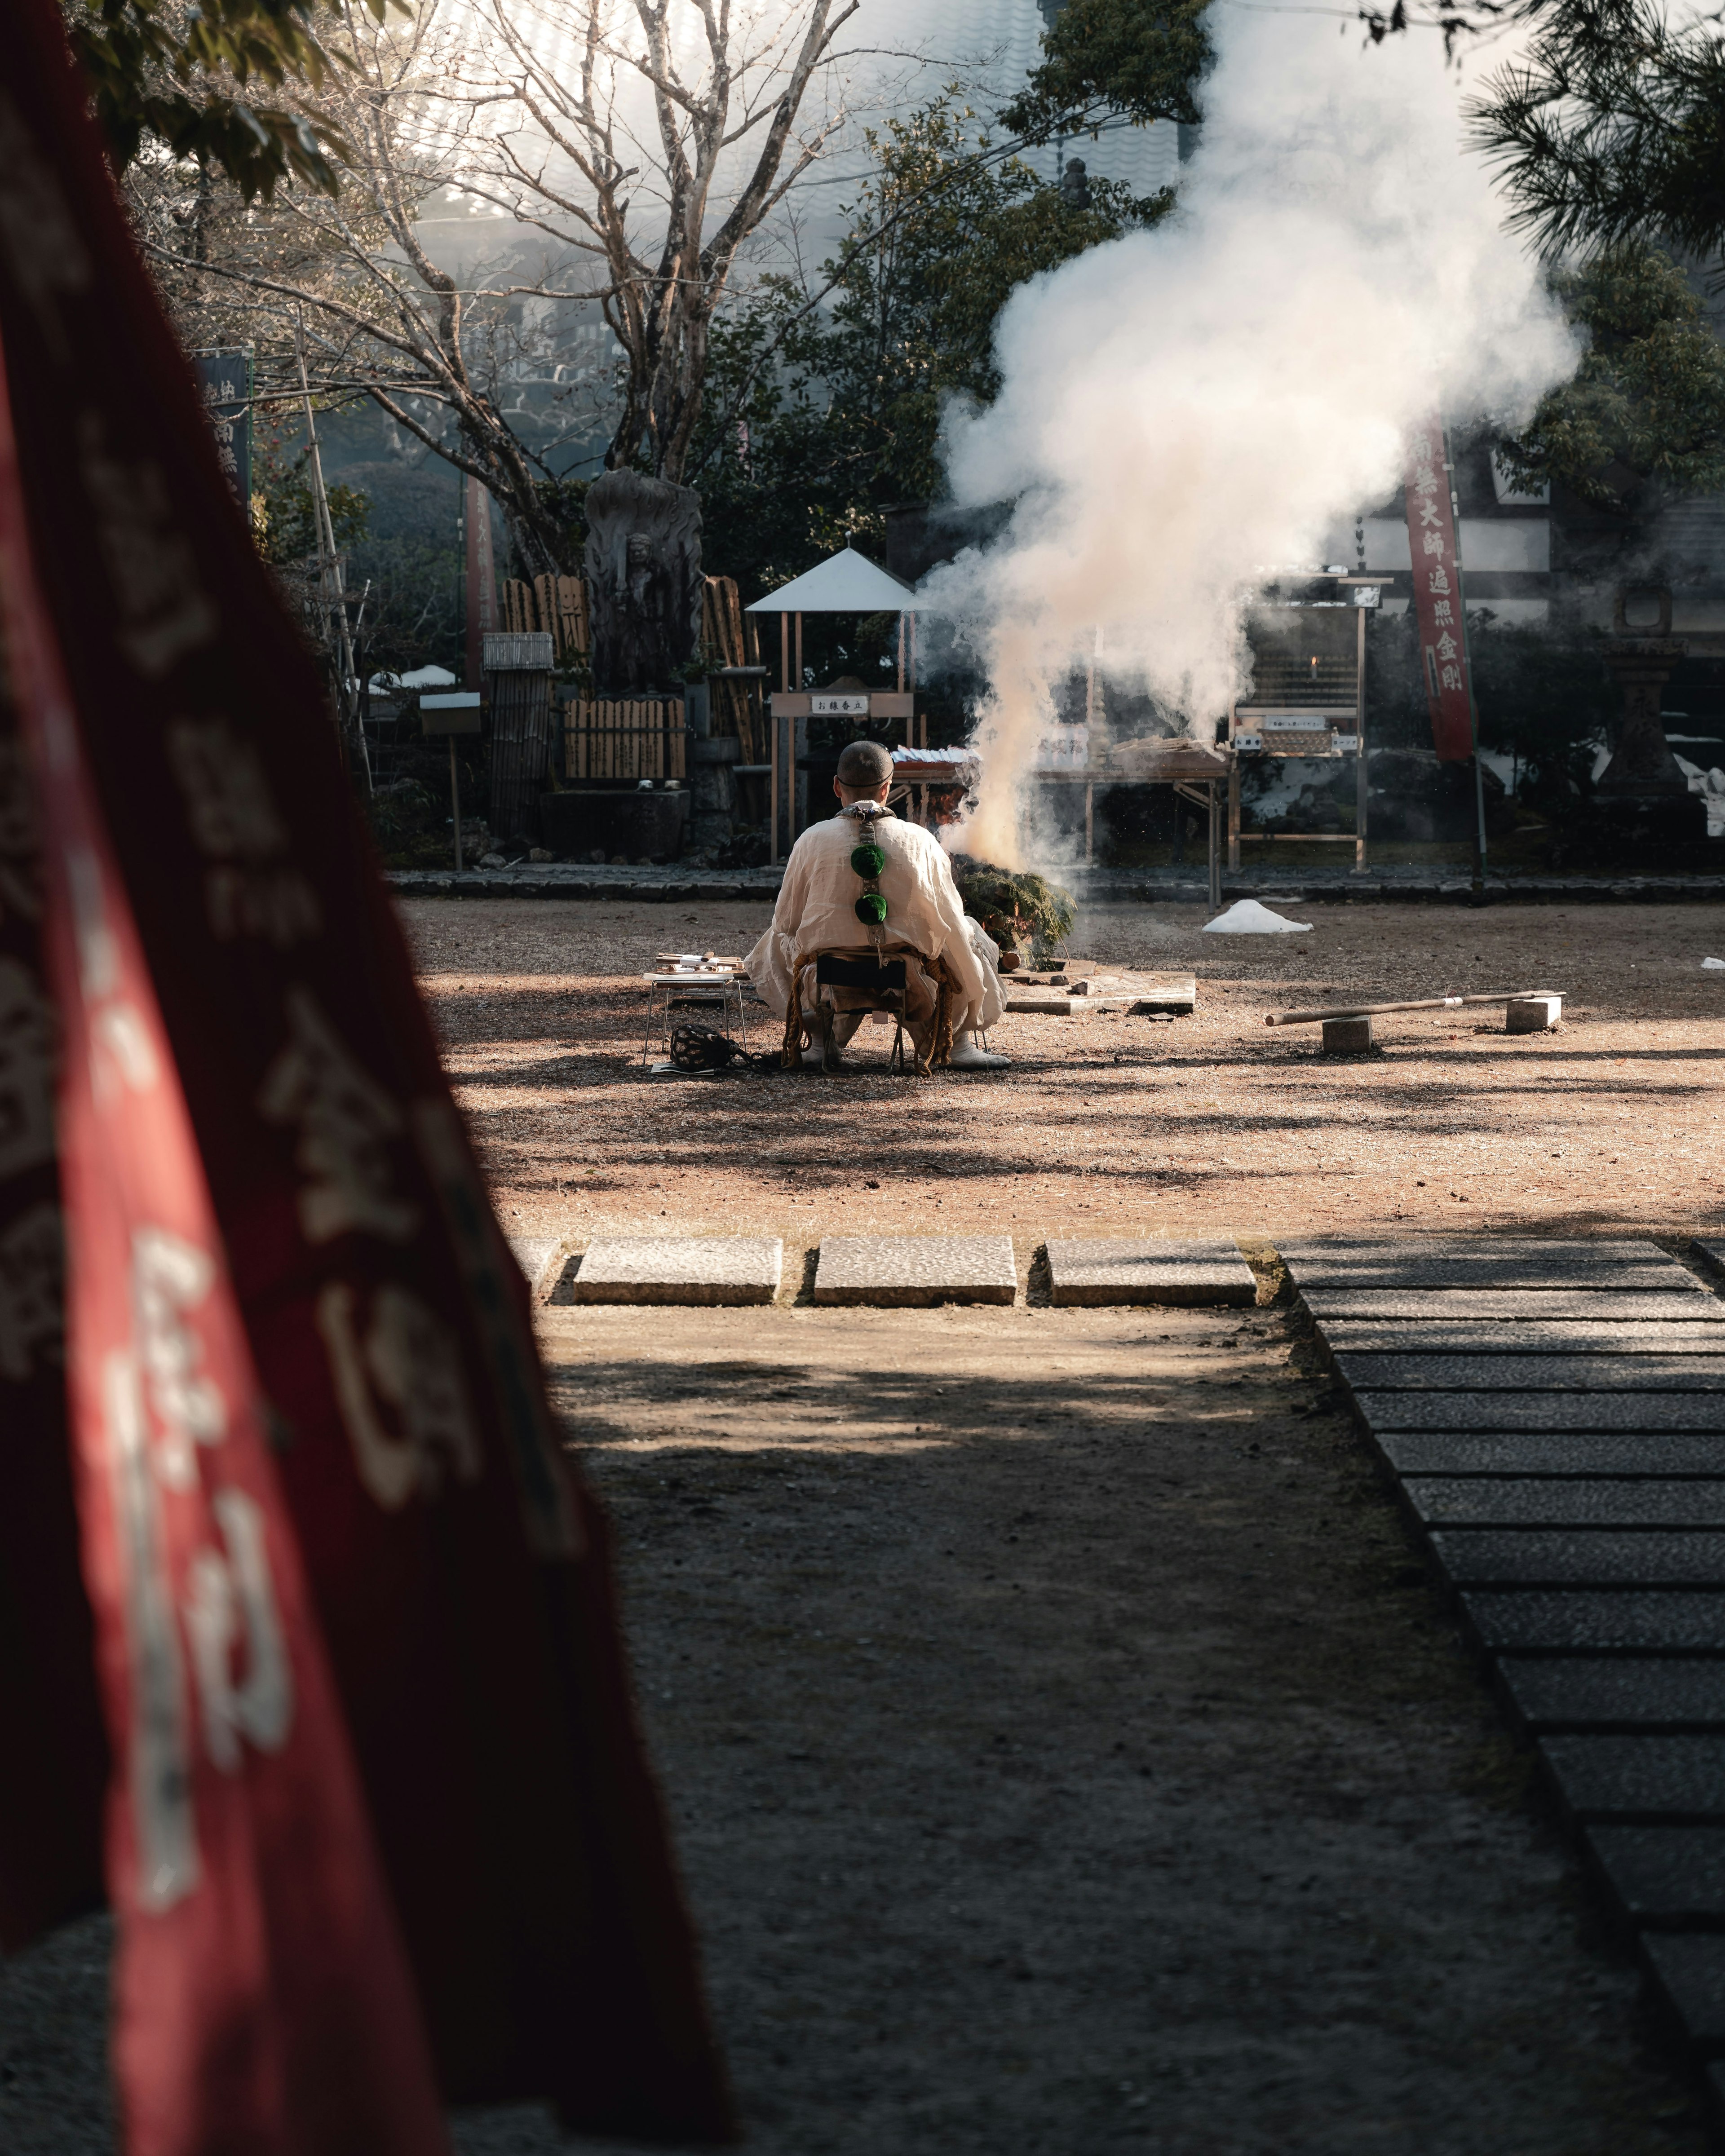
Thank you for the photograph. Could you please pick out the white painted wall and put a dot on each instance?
(1524, 543)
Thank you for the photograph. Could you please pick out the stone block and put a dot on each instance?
(1561, 1268)
(1677, 1302)
(1643, 1411)
(1091, 1274)
(534, 1254)
(1554, 1502)
(1630, 1779)
(1711, 1251)
(1615, 1692)
(677, 1269)
(1581, 1556)
(1595, 1621)
(1668, 1877)
(1532, 1013)
(1334, 1254)
(1177, 992)
(1689, 1970)
(1654, 1453)
(915, 1272)
(1346, 1036)
(1649, 1373)
(1527, 1337)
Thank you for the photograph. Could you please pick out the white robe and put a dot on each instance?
(816, 911)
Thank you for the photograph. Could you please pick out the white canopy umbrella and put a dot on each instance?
(846, 582)
(849, 582)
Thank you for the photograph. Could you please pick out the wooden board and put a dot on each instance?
(1128, 992)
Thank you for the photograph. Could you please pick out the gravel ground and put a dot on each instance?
(1113, 1124)
(1066, 1752)
(1068, 1755)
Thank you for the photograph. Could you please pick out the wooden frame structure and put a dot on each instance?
(846, 582)
(1270, 727)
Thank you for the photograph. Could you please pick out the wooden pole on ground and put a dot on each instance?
(1381, 1010)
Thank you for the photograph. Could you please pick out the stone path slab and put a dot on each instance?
(534, 1254)
(1656, 1453)
(677, 1269)
(1552, 1502)
(1621, 1692)
(1640, 1779)
(1324, 1250)
(1593, 1621)
(1580, 1557)
(915, 1272)
(1140, 993)
(1691, 1973)
(1532, 1410)
(1094, 1274)
(1651, 1372)
(1710, 1250)
(1528, 1275)
(1555, 1416)
(1526, 1338)
(1663, 1876)
(1683, 1299)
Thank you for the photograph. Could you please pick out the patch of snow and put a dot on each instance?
(1246, 917)
(422, 677)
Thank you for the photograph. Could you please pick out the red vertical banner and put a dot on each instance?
(381, 1826)
(54, 1761)
(263, 1998)
(1432, 540)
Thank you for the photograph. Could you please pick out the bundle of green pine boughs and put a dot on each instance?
(1015, 909)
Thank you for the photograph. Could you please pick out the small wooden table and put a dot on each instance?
(1194, 772)
(669, 993)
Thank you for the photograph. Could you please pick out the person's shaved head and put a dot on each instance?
(864, 765)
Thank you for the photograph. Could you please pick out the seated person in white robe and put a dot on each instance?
(925, 919)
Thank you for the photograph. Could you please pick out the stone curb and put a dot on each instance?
(1089, 891)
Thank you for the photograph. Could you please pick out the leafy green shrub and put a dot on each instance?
(1014, 908)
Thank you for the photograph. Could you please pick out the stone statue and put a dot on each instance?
(643, 581)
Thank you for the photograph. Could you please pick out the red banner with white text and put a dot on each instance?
(263, 1998)
(54, 1762)
(357, 1629)
(1438, 604)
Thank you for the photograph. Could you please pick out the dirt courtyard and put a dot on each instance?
(1211, 1124)
(1067, 1754)
(1067, 1751)
(1066, 1748)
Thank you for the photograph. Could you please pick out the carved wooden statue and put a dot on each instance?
(643, 581)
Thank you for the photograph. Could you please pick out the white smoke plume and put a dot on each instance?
(1184, 407)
